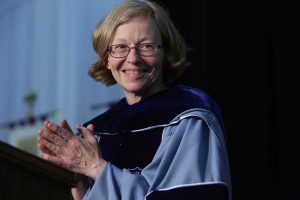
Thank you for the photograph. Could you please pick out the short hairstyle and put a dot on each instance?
(175, 60)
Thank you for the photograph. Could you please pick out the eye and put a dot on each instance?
(146, 46)
(119, 47)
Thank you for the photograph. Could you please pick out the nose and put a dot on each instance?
(133, 56)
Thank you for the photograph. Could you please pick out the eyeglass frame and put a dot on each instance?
(155, 50)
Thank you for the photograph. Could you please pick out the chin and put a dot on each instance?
(136, 88)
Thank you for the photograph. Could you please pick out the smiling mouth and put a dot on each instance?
(135, 72)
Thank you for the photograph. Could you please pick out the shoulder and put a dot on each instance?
(192, 116)
(194, 124)
(191, 94)
(193, 97)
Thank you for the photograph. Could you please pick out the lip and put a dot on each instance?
(134, 70)
(134, 73)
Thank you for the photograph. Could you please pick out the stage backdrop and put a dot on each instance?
(46, 50)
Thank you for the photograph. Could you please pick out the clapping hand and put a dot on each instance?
(60, 146)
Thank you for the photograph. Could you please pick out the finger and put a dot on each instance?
(91, 127)
(62, 132)
(43, 148)
(53, 138)
(87, 132)
(53, 148)
(65, 124)
(53, 159)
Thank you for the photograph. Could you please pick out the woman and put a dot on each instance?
(159, 137)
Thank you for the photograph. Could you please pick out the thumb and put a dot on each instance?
(65, 124)
(87, 132)
(91, 127)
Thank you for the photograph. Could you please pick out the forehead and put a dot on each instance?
(136, 30)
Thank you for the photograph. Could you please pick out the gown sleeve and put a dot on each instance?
(192, 153)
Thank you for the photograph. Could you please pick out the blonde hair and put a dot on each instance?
(174, 47)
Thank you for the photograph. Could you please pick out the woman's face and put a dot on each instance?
(138, 75)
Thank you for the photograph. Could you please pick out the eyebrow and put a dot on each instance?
(124, 41)
(119, 41)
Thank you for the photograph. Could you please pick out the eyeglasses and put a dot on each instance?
(144, 49)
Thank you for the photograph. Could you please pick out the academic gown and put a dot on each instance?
(172, 141)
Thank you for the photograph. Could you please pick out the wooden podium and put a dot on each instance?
(26, 176)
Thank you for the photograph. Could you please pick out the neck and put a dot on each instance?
(133, 98)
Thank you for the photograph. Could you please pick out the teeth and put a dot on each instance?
(133, 71)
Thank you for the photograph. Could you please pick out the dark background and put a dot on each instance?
(237, 58)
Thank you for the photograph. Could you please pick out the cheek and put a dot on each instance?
(155, 62)
(111, 65)
(114, 64)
